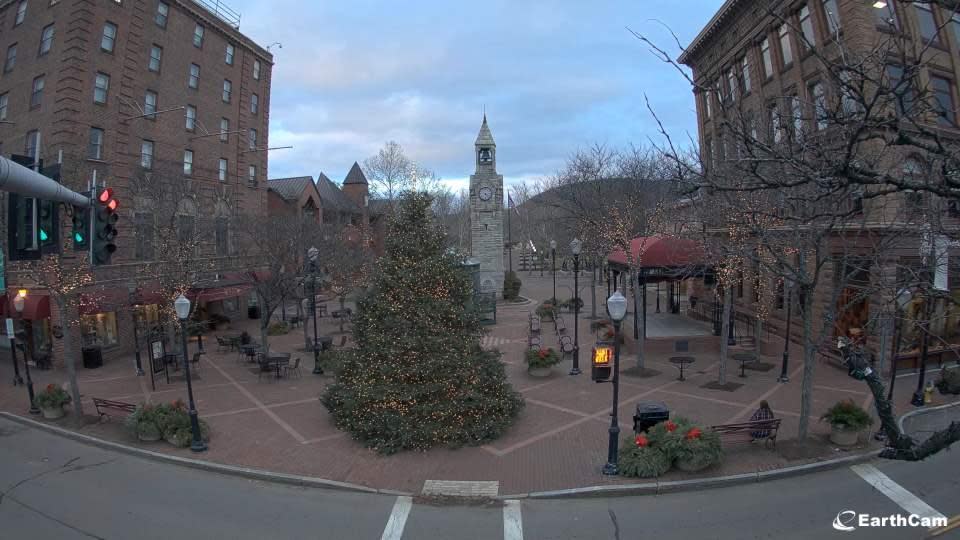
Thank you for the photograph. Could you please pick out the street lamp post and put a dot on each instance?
(575, 247)
(312, 255)
(553, 266)
(18, 303)
(617, 308)
(182, 307)
(17, 379)
(784, 377)
(136, 336)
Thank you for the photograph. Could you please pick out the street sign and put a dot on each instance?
(10, 328)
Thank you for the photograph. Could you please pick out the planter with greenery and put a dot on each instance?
(174, 422)
(540, 362)
(546, 310)
(949, 381)
(51, 401)
(144, 423)
(643, 457)
(570, 303)
(847, 420)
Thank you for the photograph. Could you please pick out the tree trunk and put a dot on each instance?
(637, 320)
(725, 332)
(70, 359)
(809, 360)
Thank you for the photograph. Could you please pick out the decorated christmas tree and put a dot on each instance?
(418, 377)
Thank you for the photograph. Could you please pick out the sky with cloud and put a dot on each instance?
(554, 75)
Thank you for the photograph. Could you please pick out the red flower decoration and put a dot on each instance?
(543, 353)
(642, 441)
(51, 387)
(671, 427)
(694, 433)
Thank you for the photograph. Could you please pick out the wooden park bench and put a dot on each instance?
(561, 326)
(754, 430)
(103, 405)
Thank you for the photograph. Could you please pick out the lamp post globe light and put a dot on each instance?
(575, 247)
(18, 303)
(312, 254)
(182, 306)
(553, 267)
(617, 309)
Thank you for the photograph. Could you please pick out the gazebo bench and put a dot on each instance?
(766, 429)
(103, 405)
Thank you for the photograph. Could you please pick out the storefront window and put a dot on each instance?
(99, 330)
(230, 305)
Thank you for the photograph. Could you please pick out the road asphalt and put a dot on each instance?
(55, 488)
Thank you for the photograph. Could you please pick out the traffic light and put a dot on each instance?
(105, 230)
(600, 363)
(81, 229)
(47, 223)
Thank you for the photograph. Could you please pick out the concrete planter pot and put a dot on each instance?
(841, 435)
(691, 465)
(540, 372)
(53, 413)
(149, 435)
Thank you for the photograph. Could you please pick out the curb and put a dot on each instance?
(919, 412)
(209, 466)
(658, 487)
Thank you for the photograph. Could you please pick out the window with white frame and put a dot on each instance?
(253, 139)
(36, 95)
(46, 39)
(745, 75)
(832, 14)
(156, 57)
(227, 90)
(767, 59)
(191, 118)
(819, 105)
(224, 129)
(109, 37)
(198, 36)
(806, 29)
(11, 59)
(256, 70)
(3, 106)
(254, 103)
(150, 104)
(101, 86)
(21, 13)
(95, 147)
(194, 81)
(228, 56)
(146, 154)
(786, 52)
(252, 174)
(163, 11)
(222, 169)
(188, 162)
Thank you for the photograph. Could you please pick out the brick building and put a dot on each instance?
(130, 95)
(765, 66)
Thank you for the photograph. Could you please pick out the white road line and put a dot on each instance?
(398, 519)
(512, 521)
(895, 492)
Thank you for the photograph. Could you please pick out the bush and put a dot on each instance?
(52, 397)
(638, 457)
(173, 420)
(278, 328)
(331, 361)
(511, 286)
(847, 414)
(949, 382)
(542, 358)
(571, 303)
(144, 422)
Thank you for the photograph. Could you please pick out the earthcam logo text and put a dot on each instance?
(848, 520)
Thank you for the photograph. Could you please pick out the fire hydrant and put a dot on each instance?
(928, 393)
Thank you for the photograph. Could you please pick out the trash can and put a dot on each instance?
(649, 414)
(92, 357)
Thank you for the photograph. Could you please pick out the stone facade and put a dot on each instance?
(486, 212)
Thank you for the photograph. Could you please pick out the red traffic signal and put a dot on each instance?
(112, 205)
(105, 195)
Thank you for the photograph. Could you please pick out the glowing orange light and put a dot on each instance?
(602, 356)
(113, 204)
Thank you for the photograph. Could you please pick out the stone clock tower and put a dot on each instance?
(486, 212)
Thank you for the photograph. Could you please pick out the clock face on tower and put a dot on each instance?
(486, 193)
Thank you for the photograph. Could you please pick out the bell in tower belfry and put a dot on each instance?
(486, 212)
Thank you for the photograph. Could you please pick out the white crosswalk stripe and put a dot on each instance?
(490, 342)
(895, 492)
(398, 519)
(512, 521)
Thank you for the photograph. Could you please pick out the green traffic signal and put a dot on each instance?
(77, 238)
(44, 236)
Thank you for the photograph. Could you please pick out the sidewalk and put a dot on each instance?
(559, 441)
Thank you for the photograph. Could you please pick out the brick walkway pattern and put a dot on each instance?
(558, 442)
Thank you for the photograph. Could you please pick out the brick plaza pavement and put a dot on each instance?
(558, 442)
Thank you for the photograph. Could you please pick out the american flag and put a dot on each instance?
(511, 205)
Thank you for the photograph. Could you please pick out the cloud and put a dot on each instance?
(554, 75)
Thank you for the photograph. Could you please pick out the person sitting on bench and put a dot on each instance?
(763, 413)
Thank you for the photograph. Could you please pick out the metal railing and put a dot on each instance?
(222, 11)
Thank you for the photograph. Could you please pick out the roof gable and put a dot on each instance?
(355, 176)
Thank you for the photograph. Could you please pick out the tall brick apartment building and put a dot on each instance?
(126, 92)
(764, 62)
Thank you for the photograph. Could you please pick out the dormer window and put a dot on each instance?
(485, 155)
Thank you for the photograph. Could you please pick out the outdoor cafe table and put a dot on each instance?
(277, 360)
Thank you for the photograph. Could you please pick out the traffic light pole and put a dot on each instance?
(16, 178)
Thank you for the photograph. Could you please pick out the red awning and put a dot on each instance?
(35, 307)
(660, 252)
(219, 293)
